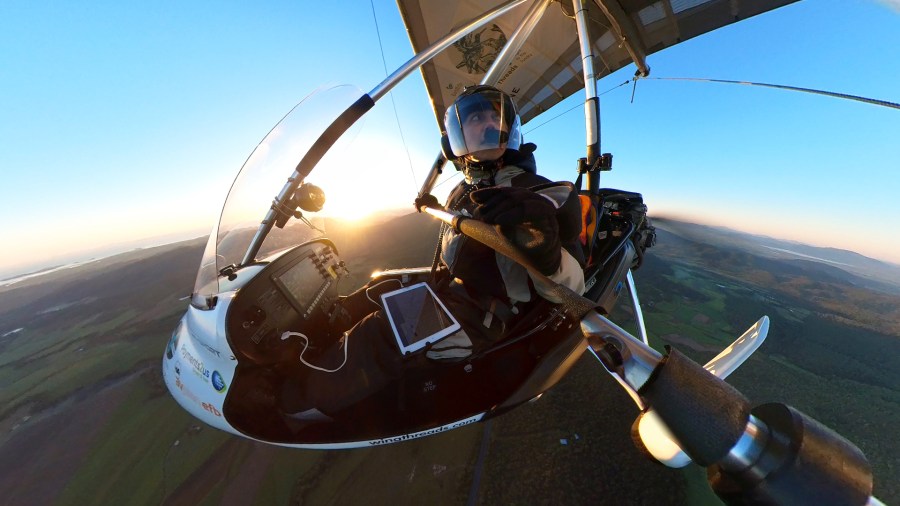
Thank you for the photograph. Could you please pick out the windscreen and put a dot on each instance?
(265, 172)
(369, 177)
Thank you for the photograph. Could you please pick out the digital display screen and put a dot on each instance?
(417, 317)
(298, 284)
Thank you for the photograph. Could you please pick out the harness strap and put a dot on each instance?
(493, 307)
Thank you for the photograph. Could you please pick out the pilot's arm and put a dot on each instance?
(531, 221)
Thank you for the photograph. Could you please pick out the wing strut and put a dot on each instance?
(627, 32)
(591, 101)
(515, 42)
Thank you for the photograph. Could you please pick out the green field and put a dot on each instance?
(86, 419)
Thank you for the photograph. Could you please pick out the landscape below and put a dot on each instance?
(85, 417)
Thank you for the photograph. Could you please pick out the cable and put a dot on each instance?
(873, 101)
(287, 335)
(448, 179)
(576, 106)
(394, 103)
(379, 284)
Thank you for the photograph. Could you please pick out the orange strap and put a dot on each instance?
(587, 218)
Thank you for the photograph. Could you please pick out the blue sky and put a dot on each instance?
(124, 124)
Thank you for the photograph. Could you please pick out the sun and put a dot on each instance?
(361, 198)
(356, 190)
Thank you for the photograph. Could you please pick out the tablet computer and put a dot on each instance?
(418, 318)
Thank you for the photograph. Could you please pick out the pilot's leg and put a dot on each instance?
(350, 310)
(363, 362)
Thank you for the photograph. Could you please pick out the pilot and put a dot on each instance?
(501, 187)
(486, 291)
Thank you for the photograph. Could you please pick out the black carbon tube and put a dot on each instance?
(704, 413)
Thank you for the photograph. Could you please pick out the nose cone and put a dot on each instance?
(196, 371)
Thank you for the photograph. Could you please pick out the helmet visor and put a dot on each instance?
(482, 123)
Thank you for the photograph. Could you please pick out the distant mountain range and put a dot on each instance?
(355, 238)
(832, 262)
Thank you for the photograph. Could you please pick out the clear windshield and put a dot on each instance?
(261, 178)
(367, 170)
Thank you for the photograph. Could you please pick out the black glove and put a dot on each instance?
(527, 219)
(427, 200)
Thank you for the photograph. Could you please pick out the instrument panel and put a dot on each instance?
(295, 292)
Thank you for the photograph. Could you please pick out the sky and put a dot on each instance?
(123, 124)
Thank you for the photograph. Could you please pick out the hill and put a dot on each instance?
(836, 292)
(85, 418)
(833, 349)
(869, 272)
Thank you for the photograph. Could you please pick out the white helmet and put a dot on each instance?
(482, 123)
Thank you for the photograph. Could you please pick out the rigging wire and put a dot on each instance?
(576, 106)
(873, 101)
(449, 178)
(393, 102)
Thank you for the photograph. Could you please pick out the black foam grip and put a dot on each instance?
(804, 462)
(705, 414)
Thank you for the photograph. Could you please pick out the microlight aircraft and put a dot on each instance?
(264, 300)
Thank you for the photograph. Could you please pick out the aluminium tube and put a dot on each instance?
(515, 42)
(434, 49)
(591, 101)
(636, 305)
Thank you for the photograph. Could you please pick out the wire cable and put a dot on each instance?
(288, 335)
(379, 284)
(393, 102)
(576, 106)
(873, 101)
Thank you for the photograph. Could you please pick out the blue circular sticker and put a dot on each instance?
(218, 382)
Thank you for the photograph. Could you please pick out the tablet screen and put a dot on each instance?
(417, 317)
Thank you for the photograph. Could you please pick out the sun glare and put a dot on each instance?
(350, 202)
(359, 187)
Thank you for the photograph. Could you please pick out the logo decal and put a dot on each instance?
(173, 343)
(190, 395)
(480, 49)
(429, 432)
(209, 348)
(199, 368)
(218, 382)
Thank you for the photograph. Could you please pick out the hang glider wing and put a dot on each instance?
(548, 66)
